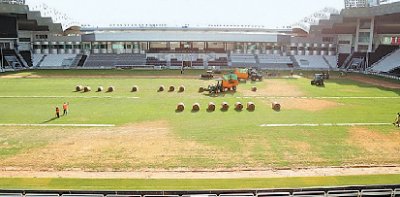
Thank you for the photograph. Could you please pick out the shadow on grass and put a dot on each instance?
(50, 120)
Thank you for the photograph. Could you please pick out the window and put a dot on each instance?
(364, 37)
(344, 42)
(41, 36)
(25, 39)
(327, 39)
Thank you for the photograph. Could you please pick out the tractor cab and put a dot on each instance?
(208, 75)
(318, 80)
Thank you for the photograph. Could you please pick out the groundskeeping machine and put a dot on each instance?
(318, 80)
(228, 82)
(245, 74)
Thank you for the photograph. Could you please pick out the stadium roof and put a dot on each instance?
(386, 20)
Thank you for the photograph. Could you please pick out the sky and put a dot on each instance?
(268, 13)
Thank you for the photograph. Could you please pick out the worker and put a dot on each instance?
(58, 112)
(65, 108)
(397, 121)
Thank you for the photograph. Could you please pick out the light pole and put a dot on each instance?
(2, 58)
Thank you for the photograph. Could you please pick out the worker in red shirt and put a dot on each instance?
(65, 108)
(58, 112)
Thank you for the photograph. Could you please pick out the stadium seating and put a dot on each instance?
(274, 194)
(10, 195)
(351, 191)
(331, 60)
(56, 60)
(274, 59)
(198, 62)
(376, 192)
(36, 59)
(12, 62)
(396, 72)
(111, 60)
(237, 195)
(388, 63)
(309, 194)
(82, 195)
(155, 61)
(311, 62)
(115, 195)
(243, 59)
(176, 62)
(396, 193)
(161, 196)
(347, 193)
(220, 62)
(380, 52)
(41, 195)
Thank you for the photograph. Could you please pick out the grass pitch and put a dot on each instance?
(149, 134)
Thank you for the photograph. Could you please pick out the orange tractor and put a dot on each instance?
(226, 83)
(245, 74)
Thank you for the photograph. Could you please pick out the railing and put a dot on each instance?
(384, 75)
(372, 190)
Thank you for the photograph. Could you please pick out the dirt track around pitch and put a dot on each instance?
(183, 174)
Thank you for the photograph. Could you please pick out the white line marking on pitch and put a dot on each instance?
(57, 125)
(85, 97)
(325, 125)
(321, 97)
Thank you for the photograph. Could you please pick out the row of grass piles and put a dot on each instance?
(80, 88)
(211, 107)
(171, 88)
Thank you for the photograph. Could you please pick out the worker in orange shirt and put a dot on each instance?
(58, 112)
(65, 108)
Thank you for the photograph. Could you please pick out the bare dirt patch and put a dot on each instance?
(260, 173)
(376, 82)
(19, 76)
(276, 87)
(311, 105)
(379, 147)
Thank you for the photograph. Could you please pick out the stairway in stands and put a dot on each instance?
(41, 60)
(27, 56)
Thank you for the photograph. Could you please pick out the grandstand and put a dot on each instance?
(53, 60)
(112, 60)
(274, 61)
(312, 62)
(327, 40)
(388, 63)
(243, 60)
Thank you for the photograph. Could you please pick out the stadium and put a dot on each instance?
(200, 110)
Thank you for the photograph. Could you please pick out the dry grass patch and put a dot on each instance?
(254, 151)
(130, 147)
(312, 105)
(300, 153)
(376, 147)
(275, 88)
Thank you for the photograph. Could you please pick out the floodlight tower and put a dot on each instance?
(364, 3)
(19, 2)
